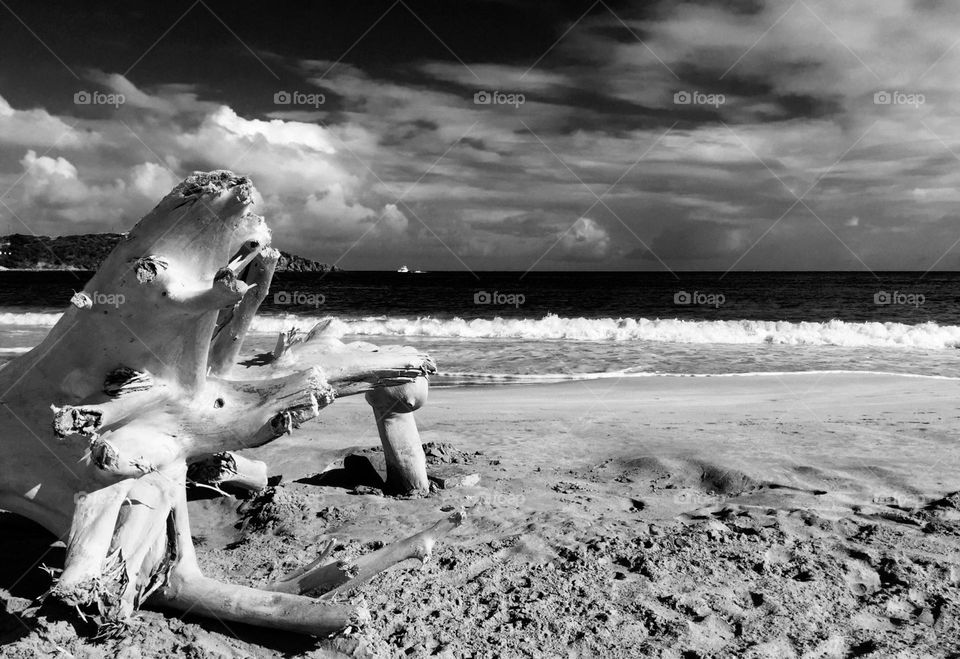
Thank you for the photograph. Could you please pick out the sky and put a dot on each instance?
(723, 135)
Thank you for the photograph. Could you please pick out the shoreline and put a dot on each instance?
(589, 377)
(733, 414)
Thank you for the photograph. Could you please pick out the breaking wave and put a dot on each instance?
(930, 336)
(551, 327)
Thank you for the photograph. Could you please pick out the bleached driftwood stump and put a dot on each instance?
(393, 403)
(101, 419)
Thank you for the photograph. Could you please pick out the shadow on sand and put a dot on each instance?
(25, 548)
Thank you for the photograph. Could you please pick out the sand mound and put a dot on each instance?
(704, 476)
(446, 453)
(275, 509)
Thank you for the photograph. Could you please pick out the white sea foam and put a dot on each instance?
(549, 378)
(28, 319)
(930, 336)
(551, 327)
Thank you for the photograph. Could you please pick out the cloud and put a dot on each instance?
(294, 134)
(97, 178)
(50, 188)
(46, 170)
(133, 96)
(151, 180)
(106, 173)
(693, 241)
(401, 155)
(341, 218)
(586, 241)
(393, 220)
(36, 128)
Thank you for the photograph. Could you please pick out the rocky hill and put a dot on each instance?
(87, 252)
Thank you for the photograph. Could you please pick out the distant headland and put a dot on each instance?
(87, 251)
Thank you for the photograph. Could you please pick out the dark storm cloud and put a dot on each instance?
(692, 240)
(688, 127)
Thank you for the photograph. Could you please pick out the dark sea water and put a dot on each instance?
(506, 327)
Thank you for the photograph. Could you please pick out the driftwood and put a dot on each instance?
(134, 382)
(228, 468)
(330, 579)
(353, 370)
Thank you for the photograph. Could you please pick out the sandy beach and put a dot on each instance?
(800, 515)
(382, 330)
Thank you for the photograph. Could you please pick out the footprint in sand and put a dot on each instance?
(861, 579)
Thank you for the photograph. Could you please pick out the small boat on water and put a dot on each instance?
(403, 268)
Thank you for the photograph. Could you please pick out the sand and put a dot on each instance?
(795, 515)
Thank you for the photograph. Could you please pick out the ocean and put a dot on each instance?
(504, 327)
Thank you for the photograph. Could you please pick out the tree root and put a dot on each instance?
(339, 577)
(140, 389)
